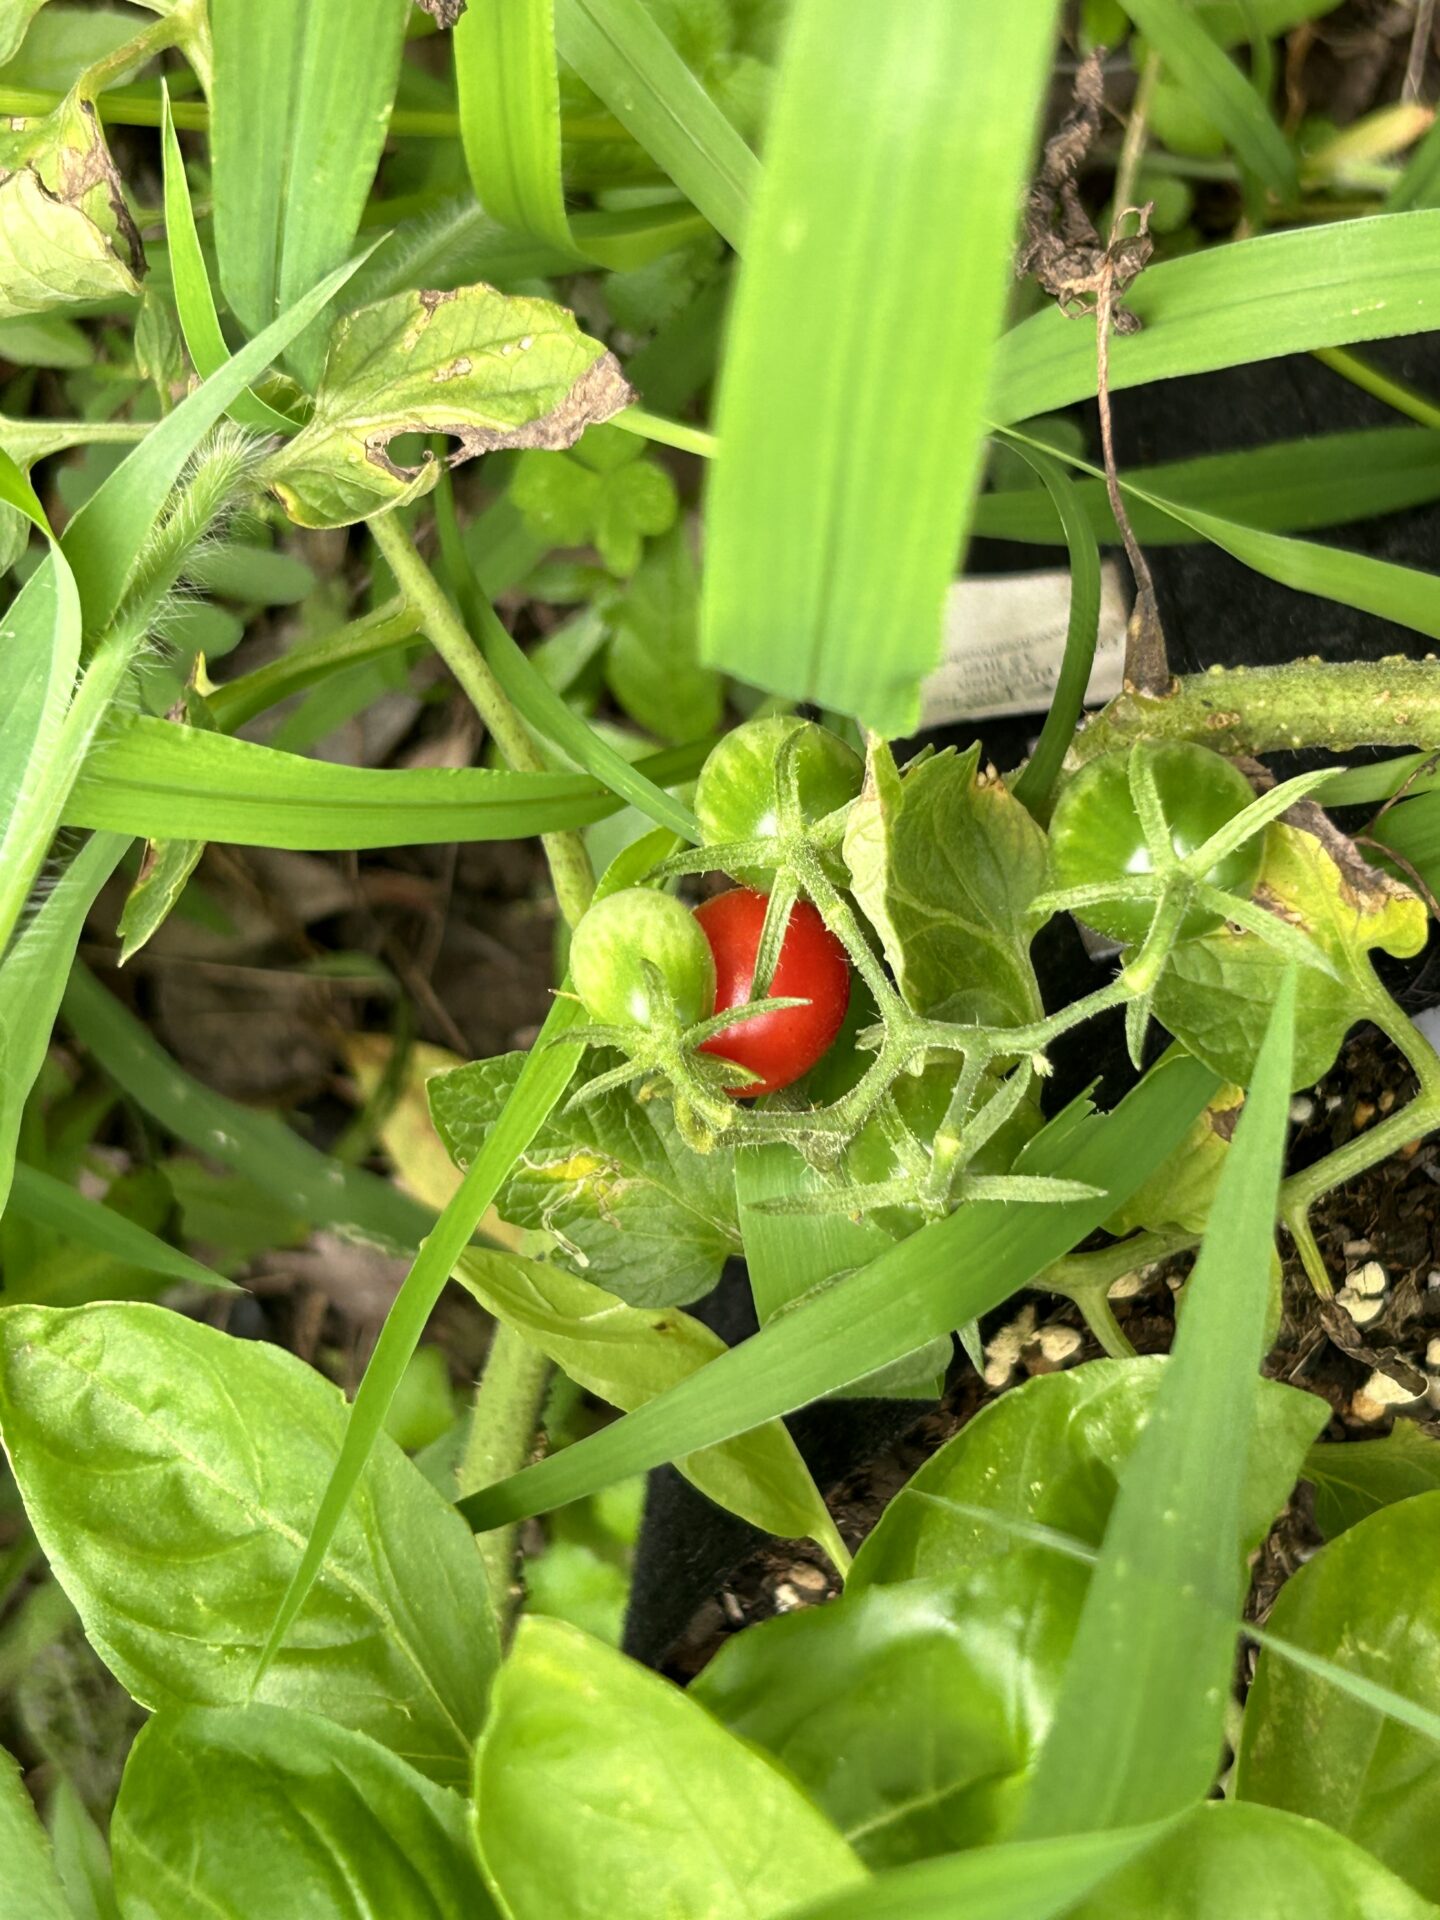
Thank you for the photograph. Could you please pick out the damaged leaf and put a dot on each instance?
(485, 369)
(1216, 993)
(66, 234)
(444, 12)
(628, 1204)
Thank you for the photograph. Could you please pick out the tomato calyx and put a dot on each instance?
(772, 801)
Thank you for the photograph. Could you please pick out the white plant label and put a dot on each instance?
(1005, 640)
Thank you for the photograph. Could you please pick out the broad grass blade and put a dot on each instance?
(506, 72)
(619, 49)
(546, 1074)
(1140, 1719)
(1219, 90)
(39, 1196)
(1027, 1880)
(32, 980)
(852, 405)
(162, 782)
(1278, 293)
(299, 109)
(194, 301)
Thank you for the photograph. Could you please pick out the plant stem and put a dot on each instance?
(1371, 380)
(501, 1437)
(118, 108)
(1137, 127)
(1309, 703)
(569, 863)
(506, 1410)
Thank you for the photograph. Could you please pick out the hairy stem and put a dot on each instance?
(1309, 703)
(499, 1443)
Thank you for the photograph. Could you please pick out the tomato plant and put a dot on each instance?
(782, 1046)
(640, 956)
(1096, 836)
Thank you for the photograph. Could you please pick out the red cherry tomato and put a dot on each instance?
(778, 1046)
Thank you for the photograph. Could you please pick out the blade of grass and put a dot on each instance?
(1291, 486)
(1139, 1723)
(162, 782)
(194, 301)
(947, 1273)
(1277, 293)
(40, 1197)
(274, 1157)
(1037, 780)
(536, 701)
(851, 410)
(543, 1079)
(1405, 595)
(299, 108)
(621, 52)
(42, 655)
(1023, 1880)
(32, 980)
(1219, 91)
(509, 87)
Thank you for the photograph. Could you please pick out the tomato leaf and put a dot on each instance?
(945, 865)
(1216, 992)
(630, 1207)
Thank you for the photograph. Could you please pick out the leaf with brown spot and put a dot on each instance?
(445, 12)
(66, 234)
(486, 369)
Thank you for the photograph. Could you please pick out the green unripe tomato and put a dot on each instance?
(1096, 837)
(737, 797)
(614, 940)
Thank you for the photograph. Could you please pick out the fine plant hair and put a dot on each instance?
(217, 483)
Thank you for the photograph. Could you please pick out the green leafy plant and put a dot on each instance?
(361, 356)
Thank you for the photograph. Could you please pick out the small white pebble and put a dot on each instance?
(1332, 1102)
(1302, 1109)
(1371, 1280)
(1356, 1249)
(1128, 1285)
(1361, 1308)
(1386, 1392)
(1059, 1344)
(1432, 1280)
(787, 1598)
(1432, 1354)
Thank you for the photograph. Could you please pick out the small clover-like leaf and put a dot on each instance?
(486, 369)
